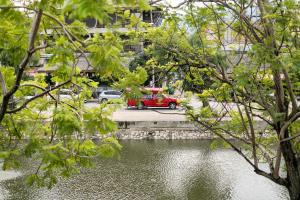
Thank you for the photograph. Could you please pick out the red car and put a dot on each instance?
(153, 99)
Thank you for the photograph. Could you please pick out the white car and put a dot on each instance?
(109, 94)
(64, 95)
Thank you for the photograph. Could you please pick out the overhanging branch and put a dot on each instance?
(37, 96)
(23, 64)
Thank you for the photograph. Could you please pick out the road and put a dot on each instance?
(159, 114)
(150, 114)
(153, 114)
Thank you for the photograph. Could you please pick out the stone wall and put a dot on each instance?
(162, 133)
(162, 130)
(159, 130)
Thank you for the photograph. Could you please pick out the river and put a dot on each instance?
(156, 169)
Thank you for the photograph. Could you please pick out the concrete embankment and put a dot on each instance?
(164, 130)
(160, 130)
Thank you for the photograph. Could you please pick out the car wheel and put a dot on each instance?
(172, 106)
(140, 106)
(104, 100)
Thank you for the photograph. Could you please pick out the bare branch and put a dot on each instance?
(71, 37)
(241, 115)
(290, 90)
(39, 87)
(3, 84)
(286, 125)
(37, 96)
(252, 28)
(277, 163)
(270, 176)
(290, 138)
(179, 4)
(23, 64)
(264, 119)
(252, 131)
(39, 48)
(280, 181)
(152, 2)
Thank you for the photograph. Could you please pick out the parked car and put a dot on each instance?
(97, 91)
(67, 94)
(64, 94)
(109, 94)
(154, 98)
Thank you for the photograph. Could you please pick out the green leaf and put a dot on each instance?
(31, 179)
(106, 150)
(114, 141)
(4, 154)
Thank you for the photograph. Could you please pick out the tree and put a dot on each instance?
(250, 50)
(57, 133)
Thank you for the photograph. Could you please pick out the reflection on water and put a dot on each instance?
(6, 175)
(158, 169)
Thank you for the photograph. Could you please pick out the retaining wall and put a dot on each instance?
(162, 130)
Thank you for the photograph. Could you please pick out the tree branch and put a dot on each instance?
(252, 29)
(39, 48)
(23, 64)
(277, 163)
(37, 96)
(290, 90)
(290, 138)
(39, 87)
(286, 125)
(258, 171)
(3, 84)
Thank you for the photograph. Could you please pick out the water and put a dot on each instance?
(156, 169)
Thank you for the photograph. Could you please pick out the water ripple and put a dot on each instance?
(159, 170)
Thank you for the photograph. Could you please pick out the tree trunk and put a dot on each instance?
(293, 169)
(293, 182)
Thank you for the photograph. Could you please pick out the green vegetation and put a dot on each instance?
(241, 53)
(36, 122)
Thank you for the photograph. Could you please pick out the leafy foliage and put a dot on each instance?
(37, 123)
(249, 52)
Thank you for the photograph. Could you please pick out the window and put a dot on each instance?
(112, 93)
(147, 96)
(116, 93)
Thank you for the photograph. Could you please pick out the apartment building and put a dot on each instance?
(115, 23)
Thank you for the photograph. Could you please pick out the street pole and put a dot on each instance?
(153, 77)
